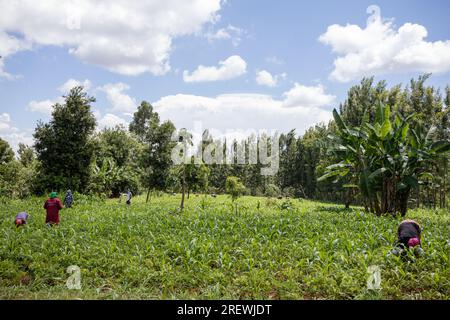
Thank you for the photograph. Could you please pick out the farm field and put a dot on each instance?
(271, 249)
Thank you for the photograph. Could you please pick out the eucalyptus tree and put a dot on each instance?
(26, 155)
(157, 140)
(191, 174)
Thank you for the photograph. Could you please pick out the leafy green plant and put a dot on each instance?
(286, 205)
(316, 251)
(235, 188)
(384, 160)
(272, 191)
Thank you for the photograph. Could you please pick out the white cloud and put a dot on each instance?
(8, 46)
(11, 134)
(265, 78)
(309, 97)
(97, 114)
(274, 60)
(243, 112)
(119, 101)
(381, 49)
(122, 36)
(71, 83)
(15, 138)
(44, 106)
(110, 121)
(229, 33)
(230, 68)
(5, 121)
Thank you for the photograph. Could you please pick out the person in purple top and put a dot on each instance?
(21, 219)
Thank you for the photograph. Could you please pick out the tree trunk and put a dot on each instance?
(434, 197)
(348, 198)
(402, 202)
(418, 197)
(404, 207)
(183, 190)
(444, 200)
(303, 191)
(148, 196)
(391, 196)
(188, 192)
(444, 187)
(377, 206)
(385, 196)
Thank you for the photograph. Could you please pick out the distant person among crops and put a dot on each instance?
(129, 196)
(21, 219)
(52, 205)
(408, 236)
(68, 199)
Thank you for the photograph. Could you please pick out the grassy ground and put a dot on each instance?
(271, 249)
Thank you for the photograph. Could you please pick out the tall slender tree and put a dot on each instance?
(157, 139)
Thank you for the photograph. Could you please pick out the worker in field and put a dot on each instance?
(129, 196)
(68, 199)
(21, 219)
(53, 205)
(408, 236)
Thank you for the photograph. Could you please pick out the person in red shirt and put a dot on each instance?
(52, 205)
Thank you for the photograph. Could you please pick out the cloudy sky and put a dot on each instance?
(225, 65)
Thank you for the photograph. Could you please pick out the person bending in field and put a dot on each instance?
(52, 206)
(21, 219)
(68, 199)
(408, 236)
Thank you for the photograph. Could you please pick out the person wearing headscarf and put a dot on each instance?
(408, 236)
(68, 199)
(52, 206)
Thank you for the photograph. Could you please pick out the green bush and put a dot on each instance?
(272, 191)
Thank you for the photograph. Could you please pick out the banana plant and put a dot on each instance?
(105, 175)
(386, 158)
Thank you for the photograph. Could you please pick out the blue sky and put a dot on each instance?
(278, 41)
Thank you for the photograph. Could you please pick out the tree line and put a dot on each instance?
(386, 149)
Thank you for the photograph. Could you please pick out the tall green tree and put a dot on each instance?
(140, 125)
(26, 155)
(63, 146)
(6, 153)
(157, 140)
(196, 177)
(362, 99)
(181, 170)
